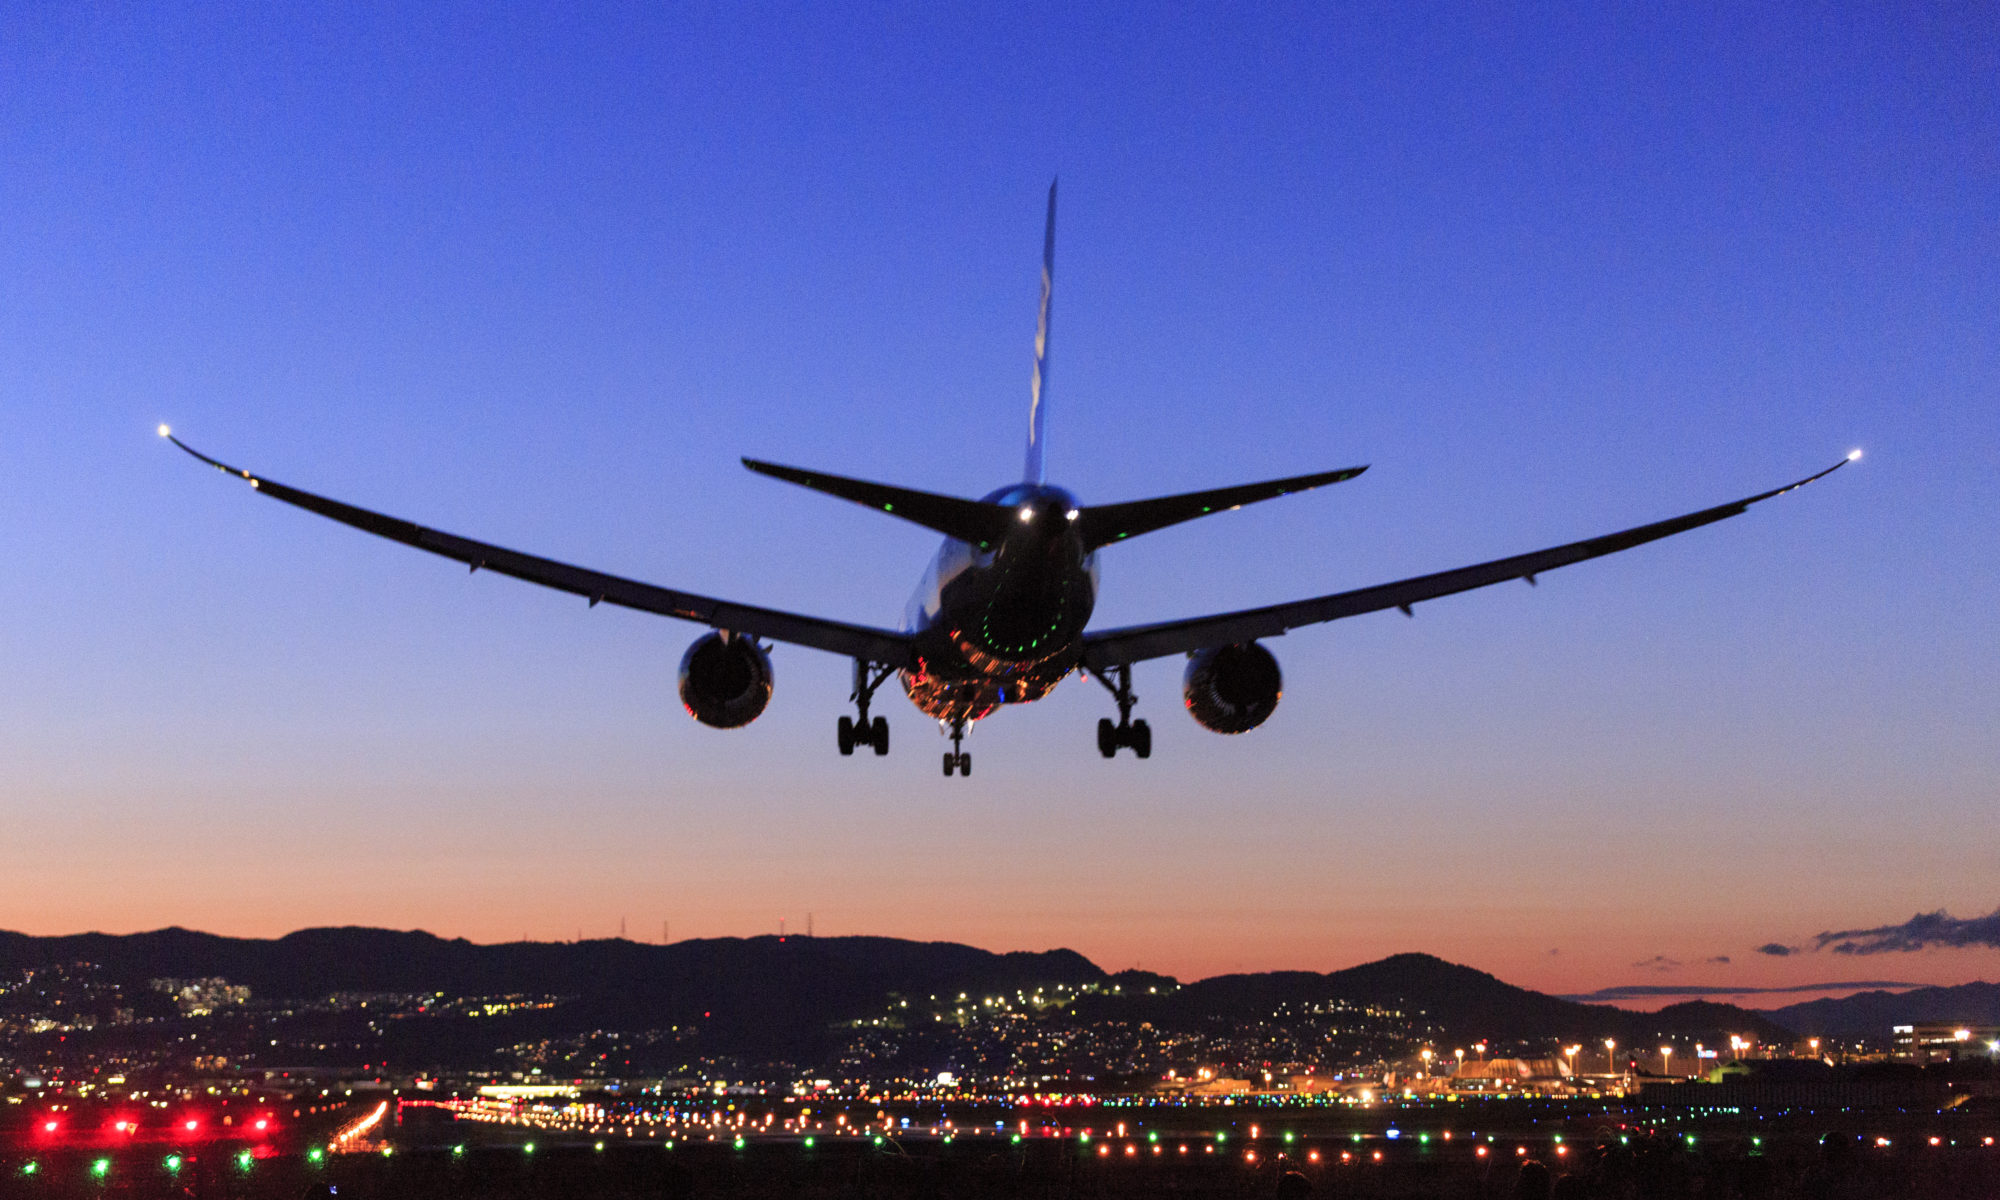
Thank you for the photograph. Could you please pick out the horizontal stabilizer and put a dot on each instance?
(1103, 524)
(972, 521)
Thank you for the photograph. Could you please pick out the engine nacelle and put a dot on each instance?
(1232, 689)
(725, 680)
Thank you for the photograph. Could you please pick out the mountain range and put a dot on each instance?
(775, 997)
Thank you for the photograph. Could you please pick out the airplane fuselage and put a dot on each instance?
(1002, 623)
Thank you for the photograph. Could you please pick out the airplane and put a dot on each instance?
(1002, 614)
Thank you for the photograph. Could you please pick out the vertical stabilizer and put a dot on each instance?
(1038, 393)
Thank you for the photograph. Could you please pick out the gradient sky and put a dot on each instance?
(540, 277)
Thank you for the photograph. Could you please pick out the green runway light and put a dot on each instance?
(243, 1159)
(1288, 1137)
(599, 1147)
(1155, 1136)
(101, 1167)
(1084, 1138)
(173, 1162)
(528, 1149)
(455, 1150)
(30, 1168)
(1017, 1139)
(739, 1144)
(809, 1143)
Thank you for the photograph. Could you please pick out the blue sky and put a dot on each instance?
(539, 276)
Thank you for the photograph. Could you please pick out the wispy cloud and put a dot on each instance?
(1719, 958)
(1659, 962)
(1777, 949)
(1920, 932)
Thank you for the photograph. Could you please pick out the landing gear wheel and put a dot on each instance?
(950, 763)
(1127, 732)
(965, 765)
(846, 735)
(878, 736)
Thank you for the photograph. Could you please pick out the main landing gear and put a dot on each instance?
(956, 759)
(859, 730)
(1136, 734)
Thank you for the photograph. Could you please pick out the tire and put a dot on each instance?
(1107, 737)
(845, 735)
(950, 764)
(965, 765)
(1142, 739)
(879, 735)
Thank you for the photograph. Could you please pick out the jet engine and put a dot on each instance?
(725, 680)
(1232, 689)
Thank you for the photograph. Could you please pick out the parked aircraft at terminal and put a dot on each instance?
(1002, 614)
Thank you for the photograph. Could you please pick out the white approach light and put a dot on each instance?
(1854, 455)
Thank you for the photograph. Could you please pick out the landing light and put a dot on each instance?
(165, 432)
(1852, 455)
(1027, 514)
(1073, 514)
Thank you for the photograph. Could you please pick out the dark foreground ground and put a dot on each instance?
(1040, 1173)
(435, 1159)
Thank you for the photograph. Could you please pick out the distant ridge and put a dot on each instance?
(1872, 1014)
(1468, 1004)
(772, 998)
(761, 996)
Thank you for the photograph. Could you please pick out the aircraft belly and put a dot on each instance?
(953, 681)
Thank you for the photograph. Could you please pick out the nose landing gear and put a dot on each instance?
(956, 759)
(1126, 733)
(859, 730)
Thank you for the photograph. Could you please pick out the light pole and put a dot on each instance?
(1570, 1053)
(1461, 1061)
(1666, 1060)
(1427, 1060)
(1610, 1067)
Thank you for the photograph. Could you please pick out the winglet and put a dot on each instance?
(223, 467)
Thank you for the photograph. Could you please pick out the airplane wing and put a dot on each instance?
(1135, 643)
(852, 641)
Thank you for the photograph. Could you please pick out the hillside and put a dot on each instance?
(1871, 1014)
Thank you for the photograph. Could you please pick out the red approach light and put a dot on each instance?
(49, 1127)
(262, 1124)
(191, 1125)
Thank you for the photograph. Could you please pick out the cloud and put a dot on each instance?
(1777, 949)
(1719, 958)
(1920, 932)
(1659, 962)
